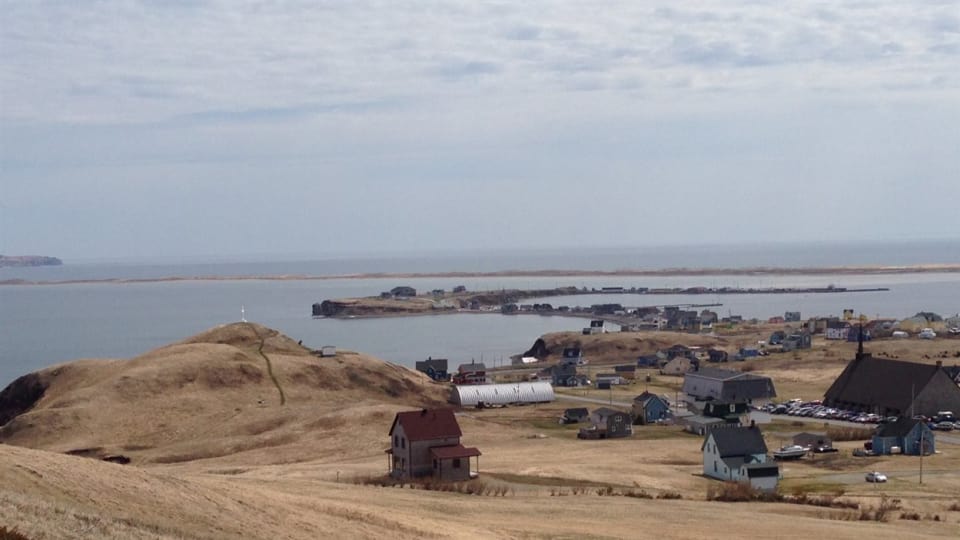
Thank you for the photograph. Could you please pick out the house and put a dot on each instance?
(795, 342)
(905, 435)
(609, 379)
(679, 366)
(566, 375)
(791, 316)
(893, 388)
(837, 330)
(776, 320)
(403, 292)
(739, 455)
(628, 372)
(572, 355)
(574, 415)
(727, 386)
(459, 289)
(708, 317)
(716, 355)
(426, 443)
(472, 373)
(607, 423)
(701, 425)
(648, 408)
(859, 332)
(328, 351)
(648, 360)
(812, 440)
(435, 368)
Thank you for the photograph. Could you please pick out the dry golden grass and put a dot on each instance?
(215, 455)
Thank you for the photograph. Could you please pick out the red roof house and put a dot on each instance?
(427, 443)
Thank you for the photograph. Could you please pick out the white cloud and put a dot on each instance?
(151, 61)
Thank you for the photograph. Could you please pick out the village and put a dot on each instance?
(873, 414)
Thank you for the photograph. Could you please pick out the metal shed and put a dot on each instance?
(501, 394)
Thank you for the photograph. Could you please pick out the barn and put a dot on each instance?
(485, 395)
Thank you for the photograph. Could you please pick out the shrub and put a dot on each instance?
(955, 507)
(637, 494)
(731, 492)
(670, 495)
(913, 516)
(849, 433)
(11, 534)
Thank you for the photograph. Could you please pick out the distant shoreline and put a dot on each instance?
(664, 272)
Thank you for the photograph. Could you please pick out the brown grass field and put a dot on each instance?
(214, 454)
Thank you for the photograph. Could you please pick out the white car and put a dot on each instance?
(876, 477)
(927, 333)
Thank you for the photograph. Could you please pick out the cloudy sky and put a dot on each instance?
(220, 128)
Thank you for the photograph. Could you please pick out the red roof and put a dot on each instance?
(450, 452)
(427, 424)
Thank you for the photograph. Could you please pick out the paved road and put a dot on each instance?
(568, 397)
(907, 475)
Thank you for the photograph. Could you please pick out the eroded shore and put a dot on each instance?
(640, 272)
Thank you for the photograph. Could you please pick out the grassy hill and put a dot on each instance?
(213, 396)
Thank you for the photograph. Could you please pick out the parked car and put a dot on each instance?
(943, 426)
(927, 333)
(876, 477)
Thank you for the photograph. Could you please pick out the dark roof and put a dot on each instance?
(427, 424)
(900, 428)
(727, 385)
(450, 452)
(576, 412)
(741, 441)
(471, 367)
(646, 397)
(879, 381)
(627, 368)
(604, 412)
(435, 363)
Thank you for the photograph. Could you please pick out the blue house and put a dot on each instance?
(649, 360)
(435, 368)
(906, 434)
(648, 408)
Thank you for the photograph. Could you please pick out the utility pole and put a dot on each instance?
(921, 452)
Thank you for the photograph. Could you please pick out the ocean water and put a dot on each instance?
(48, 324)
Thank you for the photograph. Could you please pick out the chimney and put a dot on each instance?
(753, 424)
(940, 364)
(423, 412)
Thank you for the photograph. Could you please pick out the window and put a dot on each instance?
(714, 466)
(434, 464)
(403, 442)
(456, 463)
(396, 440)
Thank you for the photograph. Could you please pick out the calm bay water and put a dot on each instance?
(48, 324)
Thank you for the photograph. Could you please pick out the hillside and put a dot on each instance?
(209, 396)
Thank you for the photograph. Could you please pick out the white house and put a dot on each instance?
(739, 455)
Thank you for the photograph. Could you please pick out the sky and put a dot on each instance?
(222, 128)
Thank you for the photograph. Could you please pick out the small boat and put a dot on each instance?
(790, 452)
